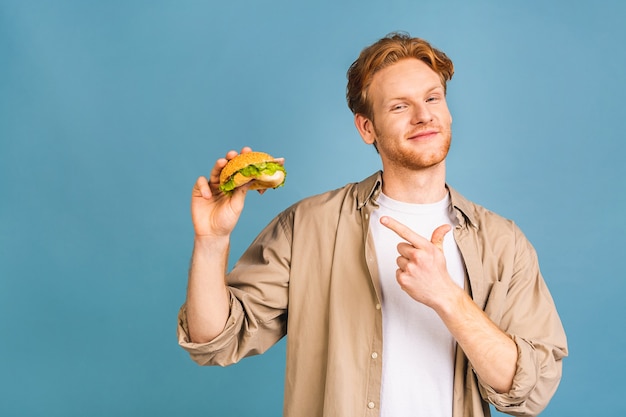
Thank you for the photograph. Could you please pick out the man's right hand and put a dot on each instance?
(215, 214)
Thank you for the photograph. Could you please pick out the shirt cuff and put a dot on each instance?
(200, 350)
(524, 381)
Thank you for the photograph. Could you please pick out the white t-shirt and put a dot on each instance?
(418, 349)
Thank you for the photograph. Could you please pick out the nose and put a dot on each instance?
(421, 114)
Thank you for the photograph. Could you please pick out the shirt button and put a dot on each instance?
(374, 355)
(377, 306)
(371, 404)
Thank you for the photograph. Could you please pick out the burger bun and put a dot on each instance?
(259, 182)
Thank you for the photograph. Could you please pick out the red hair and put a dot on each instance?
(385, 52)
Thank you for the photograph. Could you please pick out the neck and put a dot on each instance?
(416, 187)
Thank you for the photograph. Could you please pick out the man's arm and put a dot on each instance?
(422, 273)
(492, 353)
(207, 295)
(214, 216)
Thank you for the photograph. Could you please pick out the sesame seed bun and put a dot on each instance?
(241, 161)
(232, 168)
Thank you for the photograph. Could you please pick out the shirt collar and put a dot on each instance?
(466, 209)
(368, 190)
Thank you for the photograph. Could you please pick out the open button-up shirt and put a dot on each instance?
(312, 273)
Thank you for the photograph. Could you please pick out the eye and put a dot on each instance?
(435, 95)
(398, 107)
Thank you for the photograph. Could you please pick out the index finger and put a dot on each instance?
(404, 232)
(221, 163)
(217, 169)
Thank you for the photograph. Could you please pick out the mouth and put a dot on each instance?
(423, 135)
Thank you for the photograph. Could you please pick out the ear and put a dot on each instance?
(365, 128)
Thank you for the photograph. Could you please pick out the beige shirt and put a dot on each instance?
(316, 262)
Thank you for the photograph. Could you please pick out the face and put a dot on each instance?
(411, 124)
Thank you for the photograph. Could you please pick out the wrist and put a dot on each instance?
(211, 242)
(453, 300)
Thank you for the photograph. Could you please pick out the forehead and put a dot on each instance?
(406, 77)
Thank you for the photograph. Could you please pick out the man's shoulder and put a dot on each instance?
(323, 201)
(352, 194)
(478, 215)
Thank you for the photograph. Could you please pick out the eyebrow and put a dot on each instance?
(437, 87)
(432, 89)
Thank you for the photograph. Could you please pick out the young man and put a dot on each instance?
(400, 297)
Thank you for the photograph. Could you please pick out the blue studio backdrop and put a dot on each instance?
(109, 111)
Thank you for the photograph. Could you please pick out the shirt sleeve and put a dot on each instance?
(258, 287)
(523, 308)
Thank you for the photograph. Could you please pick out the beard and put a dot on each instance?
(414, 156)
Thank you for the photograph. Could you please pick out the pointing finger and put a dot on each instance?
(413, 238)
(403, 231)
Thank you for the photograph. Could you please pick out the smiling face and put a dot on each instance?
(411, 123)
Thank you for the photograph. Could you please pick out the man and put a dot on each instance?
(400, 297)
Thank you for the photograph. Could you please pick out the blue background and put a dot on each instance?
(109, 110)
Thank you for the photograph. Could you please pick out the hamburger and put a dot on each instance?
(258, 168)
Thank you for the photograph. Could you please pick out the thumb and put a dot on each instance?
(238, 196)
(439, 234)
